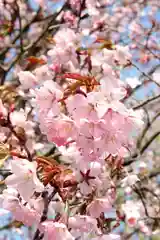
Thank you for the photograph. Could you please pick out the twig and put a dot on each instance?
(154, 172)
(20, 28)
(44, 215)
(131, 159)
(26, 27)
(8, 124)
(148, 125)
(80, 12)
(146, 102)
(142, 199)
(47, 200)
(130, 234)
(153, 137)
(144, 74)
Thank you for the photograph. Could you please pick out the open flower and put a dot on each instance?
(89, 177)
(27, 79)
(55, 230)
(60, 129)
(18, 118)
(83, 223)
(108, 97)
(22, 213)
(47, 96)
(24, 178)
(132, 212)
(130, 180)
(99, 205)
(122, 54)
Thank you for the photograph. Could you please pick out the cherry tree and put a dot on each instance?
(79, 118)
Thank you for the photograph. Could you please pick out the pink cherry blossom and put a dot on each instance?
(98, 206)
(64, 50)
(24, 214)
(122, 54)
(9, 194)
(130, 180)
(18, 118)
(27, 79)
(66, 37)
(83, 223)
(59, 130)
(114, 135)
(79, 107)
(76, 113)
(70, 154)
(108, 97)
(47, 96)
(89, 177)
(21, 213)
(43, 73)
(132, 213)
(55, 230)
(24, 178)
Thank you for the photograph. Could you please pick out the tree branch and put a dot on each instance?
(146, 102)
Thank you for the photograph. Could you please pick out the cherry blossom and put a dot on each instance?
(122, 54)
(24, 178)
(47, 96)
(132, 213)
(89, 178)
(55, 230)
(20, 212)
(67, 124)
(83, 223)
(18, 118)
(59, 130)
(130, 180)
(98, 206)
(27, 79)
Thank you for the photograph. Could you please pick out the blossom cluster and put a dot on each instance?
(76, 98)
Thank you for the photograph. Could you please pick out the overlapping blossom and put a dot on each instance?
(76, 97)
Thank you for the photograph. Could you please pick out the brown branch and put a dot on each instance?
(152, 138)
(129, 235)
(143, 74)
(148, 125)
(150, 79)
(154, 172)
(47, 200)
(22, 140)
(145, 189)
(28, 48)
(44, 214)
(131, 159)
(146, 102)
(26, 27)
(20, 28)
(134, 90)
